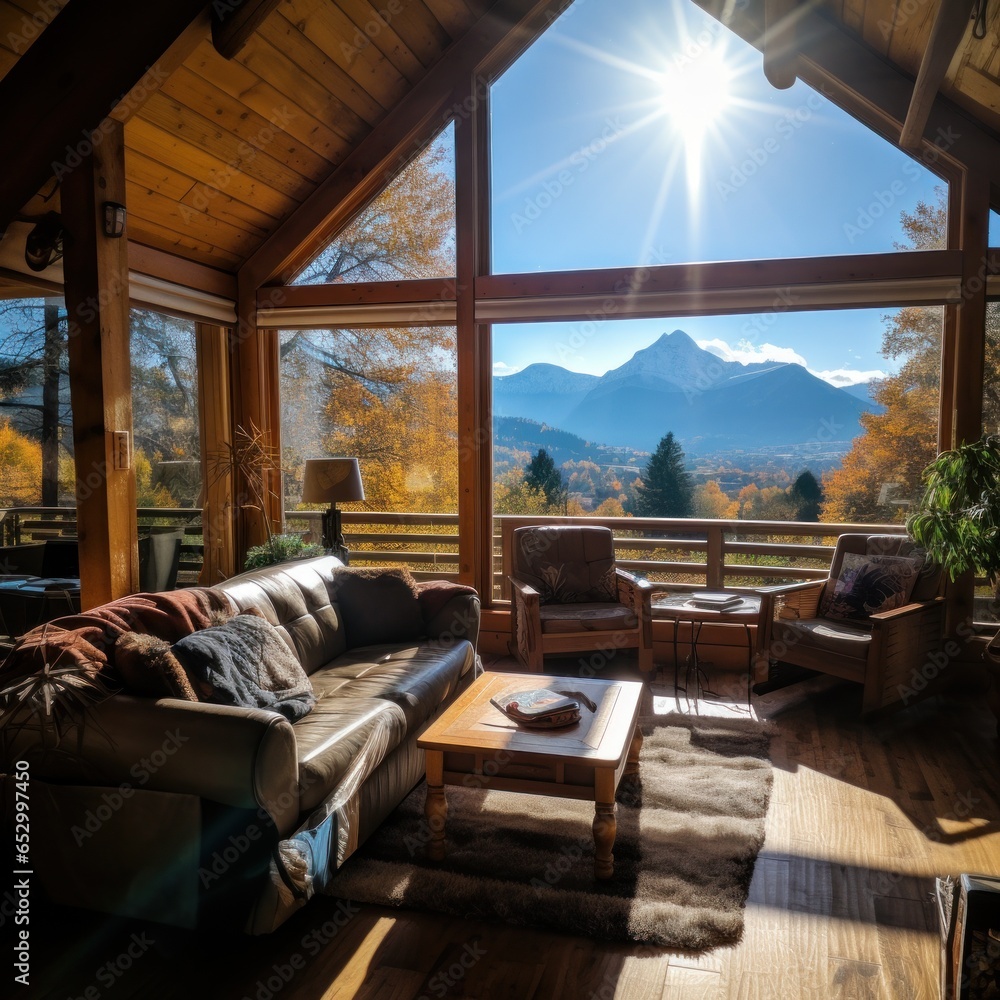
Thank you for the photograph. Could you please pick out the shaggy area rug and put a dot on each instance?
(689, 830)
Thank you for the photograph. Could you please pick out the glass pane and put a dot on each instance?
(643, 132)
(408, 231)
(36, 431)
(389, 397)
(810, 416)
(987, 608)
(167, 452)
(994, 235)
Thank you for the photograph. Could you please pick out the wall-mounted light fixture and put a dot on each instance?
(44, 245)
(114, 219)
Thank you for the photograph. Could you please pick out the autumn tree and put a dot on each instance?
(710, 502)
(664, 489)
(885, 463)
(385, 395)
(20, 468)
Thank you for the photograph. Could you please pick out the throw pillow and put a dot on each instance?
(870, 584)
(377, 605)
(148, 667)
(247, 663)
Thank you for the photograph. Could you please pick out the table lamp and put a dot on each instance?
(328, 480)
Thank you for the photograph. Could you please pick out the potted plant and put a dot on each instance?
(250, 461)
(957, 519)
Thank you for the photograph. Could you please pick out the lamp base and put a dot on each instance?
(333, 535)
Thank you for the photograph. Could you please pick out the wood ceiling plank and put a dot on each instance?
(212, 173)
(421, 31)
(197, 130)
(152, 174)
(453, 16)
(981, 87)
(234, 22)
(880, 20)
(160, 238)
(66, 82)
(228, 209)
(21, 26)
(372, 28)
(153, 207)
(190, 90)
(270, 63)
(909, 35)
(234, 79)
(327, 27)
(853, 15)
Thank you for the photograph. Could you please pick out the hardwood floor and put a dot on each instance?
(862, 817)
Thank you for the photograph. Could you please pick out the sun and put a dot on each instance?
(695, 94)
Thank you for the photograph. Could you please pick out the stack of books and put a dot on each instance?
(715, 601)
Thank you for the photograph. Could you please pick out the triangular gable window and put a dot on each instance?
(407, 231)
(644, 132)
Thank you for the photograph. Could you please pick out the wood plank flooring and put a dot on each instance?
(862, 817)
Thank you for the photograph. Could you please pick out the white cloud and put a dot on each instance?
(747, 353)
(848, 376)
(502, 368)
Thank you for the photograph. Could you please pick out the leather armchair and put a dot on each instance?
(881, 653)
(568, 596)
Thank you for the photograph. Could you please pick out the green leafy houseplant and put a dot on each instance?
(958, 517)
(278, 548)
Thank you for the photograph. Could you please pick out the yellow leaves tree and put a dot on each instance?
(885, 463)
(20, 468)
(710, 501)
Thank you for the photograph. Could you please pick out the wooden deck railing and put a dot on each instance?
(678, 553)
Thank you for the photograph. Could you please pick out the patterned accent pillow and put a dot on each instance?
(870, 584)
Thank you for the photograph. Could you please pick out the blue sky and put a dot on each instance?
(640, 131)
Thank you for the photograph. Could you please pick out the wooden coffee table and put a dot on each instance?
(476, 745)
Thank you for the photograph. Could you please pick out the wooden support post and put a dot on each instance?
(970, 348)
(254, 387)
(779, 43)
(475, 514)
(214, 409)
(100, 375)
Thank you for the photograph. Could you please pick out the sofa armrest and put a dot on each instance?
(236, 756)
(458, 618)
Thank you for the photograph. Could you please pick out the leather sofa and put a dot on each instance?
(201, 814)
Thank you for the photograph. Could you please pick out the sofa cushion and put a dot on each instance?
(378, 605)
(872, 583)
(847, 638)
(418, 677)
(295, 597)
(601, 617)
(248, 664)
(147, 666)
(342, 733)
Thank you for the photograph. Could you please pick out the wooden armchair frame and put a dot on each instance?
(902, 642)
(530, 644)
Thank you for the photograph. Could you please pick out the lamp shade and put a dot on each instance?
(327, 480)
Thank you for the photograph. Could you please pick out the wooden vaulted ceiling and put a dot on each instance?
(226, 149)
(898, 30)
(223, 151)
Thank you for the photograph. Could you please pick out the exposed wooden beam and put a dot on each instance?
(100, 374)
(212, 345)
(950, 24)
(446, 91)
(779, 43)
(175, 55)
(234, 21)
(54, 101)
(189, 273)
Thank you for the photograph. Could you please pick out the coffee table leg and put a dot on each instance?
(605, 824)
(436, 806)
(632, 766)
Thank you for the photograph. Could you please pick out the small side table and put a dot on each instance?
(678, 609)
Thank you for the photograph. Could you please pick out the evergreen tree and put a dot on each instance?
(665, 488)
(807, 494)
(541, 474)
